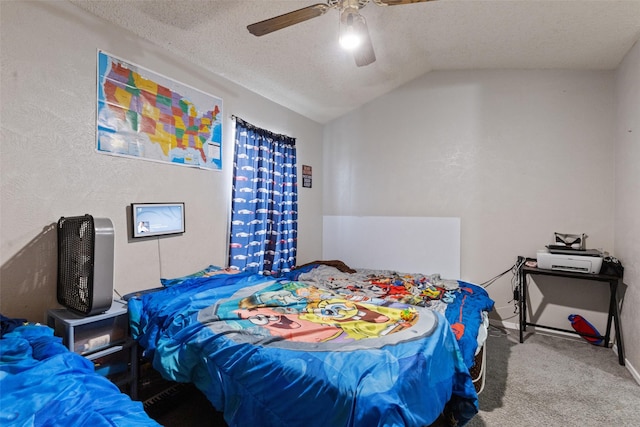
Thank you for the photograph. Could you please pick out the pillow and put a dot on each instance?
(205, 272)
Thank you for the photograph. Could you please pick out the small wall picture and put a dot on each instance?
(306, 176)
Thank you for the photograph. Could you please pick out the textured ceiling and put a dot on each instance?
(302, 67)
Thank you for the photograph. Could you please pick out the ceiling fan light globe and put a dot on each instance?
(350, 36)
(350, 41)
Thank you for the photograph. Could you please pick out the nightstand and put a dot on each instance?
(102, 338)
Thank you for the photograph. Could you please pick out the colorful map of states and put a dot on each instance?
(165, 116)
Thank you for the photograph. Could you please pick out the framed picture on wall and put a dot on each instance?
(306, 176)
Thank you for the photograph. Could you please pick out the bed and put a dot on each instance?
(465, 305)
(42, 383)
(318, 346)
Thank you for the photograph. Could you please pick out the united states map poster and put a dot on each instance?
(146, 115)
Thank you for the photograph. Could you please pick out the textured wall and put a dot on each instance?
(517, 155)
(627, 189)
(50, 167)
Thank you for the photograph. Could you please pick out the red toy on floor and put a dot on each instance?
(582, 326)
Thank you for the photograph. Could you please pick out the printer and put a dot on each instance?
(588, 261)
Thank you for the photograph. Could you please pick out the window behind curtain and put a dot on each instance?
(264, 218)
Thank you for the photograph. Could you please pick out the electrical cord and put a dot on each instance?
(515, 281)
(120, 299)
(496, 331)
(159, 257)
(489, 282)
(516, 286)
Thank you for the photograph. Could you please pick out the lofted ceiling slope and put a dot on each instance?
(303, 68)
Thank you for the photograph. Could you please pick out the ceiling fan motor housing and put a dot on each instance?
(353, 26)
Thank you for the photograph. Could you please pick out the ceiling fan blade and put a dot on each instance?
(282, 21)
(363, 54)
(397, 2)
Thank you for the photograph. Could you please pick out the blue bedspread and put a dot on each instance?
(272, 352)
(44, 384)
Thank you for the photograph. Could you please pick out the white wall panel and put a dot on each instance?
(405, 244)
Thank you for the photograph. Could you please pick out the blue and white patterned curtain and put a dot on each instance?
(264, 219)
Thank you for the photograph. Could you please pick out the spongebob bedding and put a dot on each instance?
(44, 384)
(285, 352)
(464, 304)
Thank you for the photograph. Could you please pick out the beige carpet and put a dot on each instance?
(554, 381)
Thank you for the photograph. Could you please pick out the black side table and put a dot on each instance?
(614, 314)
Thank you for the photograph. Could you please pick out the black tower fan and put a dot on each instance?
(85, 264)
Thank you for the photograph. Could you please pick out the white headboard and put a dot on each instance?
(407, 244)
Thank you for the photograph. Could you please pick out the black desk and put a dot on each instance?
(614, 315)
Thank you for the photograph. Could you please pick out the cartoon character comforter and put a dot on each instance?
(462, 303)
(44, 384)
(272, 352)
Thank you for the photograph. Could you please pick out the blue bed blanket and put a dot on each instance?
(271, 352)
(42, 383)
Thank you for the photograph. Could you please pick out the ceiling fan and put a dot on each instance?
(354, 34)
